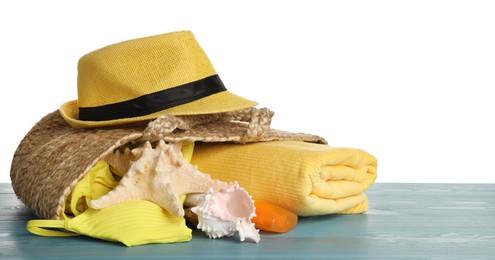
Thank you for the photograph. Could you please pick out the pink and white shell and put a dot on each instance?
(222, 213)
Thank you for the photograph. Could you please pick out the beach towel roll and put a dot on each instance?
(307, 178)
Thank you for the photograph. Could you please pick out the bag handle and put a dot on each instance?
(47, 228)
(258, 122)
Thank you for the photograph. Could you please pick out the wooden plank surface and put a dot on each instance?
(407, 221)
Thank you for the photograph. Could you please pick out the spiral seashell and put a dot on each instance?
(225, 212)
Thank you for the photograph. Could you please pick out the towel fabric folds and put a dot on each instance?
(308, 179)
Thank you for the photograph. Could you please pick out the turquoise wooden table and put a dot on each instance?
(411, 221)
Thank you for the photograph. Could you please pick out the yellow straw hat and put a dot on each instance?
(143, 78)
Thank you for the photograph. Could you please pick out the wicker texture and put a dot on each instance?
(54, 156)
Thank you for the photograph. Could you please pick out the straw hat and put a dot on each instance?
(142, 78)
(61, 148)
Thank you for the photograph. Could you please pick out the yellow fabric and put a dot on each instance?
(97, 182)
(187, 150)
(131, 69)
(306, 178)
(133, 222)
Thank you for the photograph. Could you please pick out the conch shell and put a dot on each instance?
(222, 213)
(160, 175)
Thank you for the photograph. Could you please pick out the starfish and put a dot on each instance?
(160, 175)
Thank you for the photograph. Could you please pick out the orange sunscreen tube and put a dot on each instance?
(270, 217)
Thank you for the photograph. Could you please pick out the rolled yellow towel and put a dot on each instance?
(308, 179)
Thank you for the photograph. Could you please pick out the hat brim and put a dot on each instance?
(224, 101)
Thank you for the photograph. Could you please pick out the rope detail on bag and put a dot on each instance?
(256, 121)
(259, 123)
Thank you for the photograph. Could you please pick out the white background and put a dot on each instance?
(411, 82)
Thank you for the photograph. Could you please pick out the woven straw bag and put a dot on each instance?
(53, 156)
